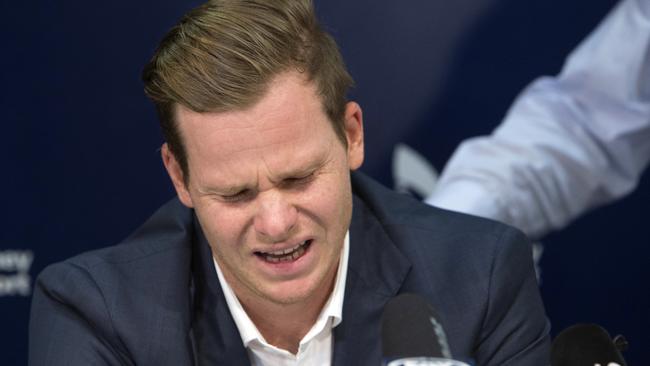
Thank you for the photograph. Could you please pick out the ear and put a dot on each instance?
(176, 174)
(354, 132)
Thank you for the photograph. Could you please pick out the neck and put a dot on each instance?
(284, 325)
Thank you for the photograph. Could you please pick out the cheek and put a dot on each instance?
(222, 226)
(332, 202)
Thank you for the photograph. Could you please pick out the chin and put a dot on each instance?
(291, 292)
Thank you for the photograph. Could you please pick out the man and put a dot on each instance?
(276, 254)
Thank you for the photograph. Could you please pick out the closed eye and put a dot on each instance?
(240, 196)
(297, 182)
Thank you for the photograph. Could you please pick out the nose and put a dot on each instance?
(275, 218)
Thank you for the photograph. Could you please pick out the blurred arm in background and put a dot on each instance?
(570, 142)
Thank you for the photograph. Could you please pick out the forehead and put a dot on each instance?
(283, 129)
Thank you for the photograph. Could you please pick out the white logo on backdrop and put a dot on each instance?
(413, 173)
(15, 279)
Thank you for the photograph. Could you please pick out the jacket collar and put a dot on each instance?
(376, 272)
(216, 340)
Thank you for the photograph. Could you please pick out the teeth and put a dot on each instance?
(286, 251)
(298, 253)
(285, 255)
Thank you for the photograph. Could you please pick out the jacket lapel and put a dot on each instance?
(376, 270)
(216, 340)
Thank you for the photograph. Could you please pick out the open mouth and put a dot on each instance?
(286, 255)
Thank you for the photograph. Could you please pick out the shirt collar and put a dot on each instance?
(333, 308)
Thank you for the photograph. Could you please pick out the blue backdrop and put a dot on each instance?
(80, 159)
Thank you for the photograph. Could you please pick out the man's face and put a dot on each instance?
(270, 186)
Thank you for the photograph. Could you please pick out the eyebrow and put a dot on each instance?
(301, 171)
(295, 173)
(225, 191)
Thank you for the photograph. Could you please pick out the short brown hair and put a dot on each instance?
(222, 55)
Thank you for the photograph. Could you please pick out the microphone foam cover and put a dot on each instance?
(584, 344)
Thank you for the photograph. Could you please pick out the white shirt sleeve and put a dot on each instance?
(568, 143)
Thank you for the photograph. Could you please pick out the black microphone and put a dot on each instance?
(588, 345)
(412, 334)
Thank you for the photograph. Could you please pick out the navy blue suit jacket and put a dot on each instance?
(156, 300)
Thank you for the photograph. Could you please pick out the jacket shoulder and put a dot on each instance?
(397, 211)
(104, 296)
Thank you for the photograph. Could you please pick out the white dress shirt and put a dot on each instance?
(315, 348)
(568, 143)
